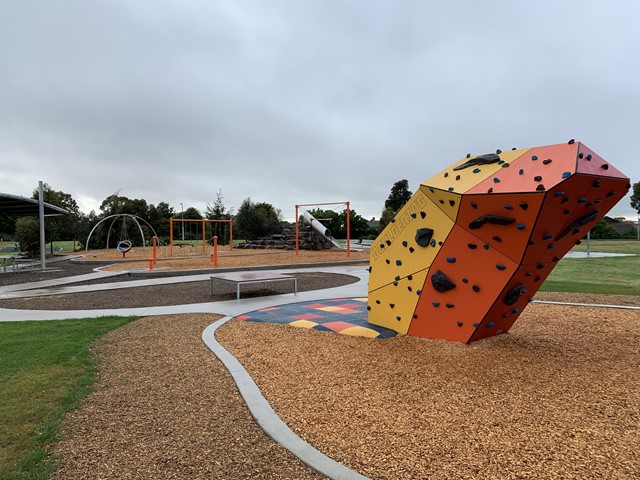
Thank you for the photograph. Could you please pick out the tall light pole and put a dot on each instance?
(182, 218)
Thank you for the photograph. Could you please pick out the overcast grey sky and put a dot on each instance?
(303, 101)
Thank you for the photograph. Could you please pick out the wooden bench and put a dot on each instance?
(245, 278)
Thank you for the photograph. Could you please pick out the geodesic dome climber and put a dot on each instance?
(462, 259)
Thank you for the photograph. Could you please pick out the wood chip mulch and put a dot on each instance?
(166, 408)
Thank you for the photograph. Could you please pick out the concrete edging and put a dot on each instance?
(267, 418)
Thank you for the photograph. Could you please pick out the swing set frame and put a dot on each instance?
(203, 222)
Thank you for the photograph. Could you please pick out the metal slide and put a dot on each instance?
(321, 229)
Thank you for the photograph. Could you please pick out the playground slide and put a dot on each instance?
(321, 229)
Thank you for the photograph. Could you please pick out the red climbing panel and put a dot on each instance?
(497, 224)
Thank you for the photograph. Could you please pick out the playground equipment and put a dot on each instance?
(320, 228)
(124, 243)
(462, 259)
(203, 224)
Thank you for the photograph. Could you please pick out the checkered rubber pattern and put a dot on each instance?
(347, 316)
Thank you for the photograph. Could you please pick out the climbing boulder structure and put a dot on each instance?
(462, 259)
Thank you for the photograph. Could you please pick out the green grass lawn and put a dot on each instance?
(610, 246)
(46, 369)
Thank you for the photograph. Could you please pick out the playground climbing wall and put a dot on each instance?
(462, 259)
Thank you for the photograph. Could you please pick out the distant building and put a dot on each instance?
(621, 224)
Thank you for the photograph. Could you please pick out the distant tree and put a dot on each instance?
(217, 211)
(603, 231)
(255, 220)
(65, 226)
(7, 225)
(28, 234)
(635, 198)
(400, 194)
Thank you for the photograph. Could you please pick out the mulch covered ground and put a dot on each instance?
(557, 397)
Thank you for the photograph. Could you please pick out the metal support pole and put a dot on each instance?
(589, 244)
(182, 218)
(297, 236)
(43, 262)
(348, 231)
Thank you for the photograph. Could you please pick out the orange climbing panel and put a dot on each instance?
(470, 249)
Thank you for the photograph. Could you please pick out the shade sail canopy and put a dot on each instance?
(22, 206)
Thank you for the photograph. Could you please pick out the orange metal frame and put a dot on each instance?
(204, 222)
(322, 204)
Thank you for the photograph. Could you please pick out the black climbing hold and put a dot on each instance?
(566, 212)
(404, 243)
(465, 280)
(451, 189)
(441, 201)
(597, 183)
(433, 242)
(490, 324)
(435, 304)
(514, 294)
(492, 219)
(446, 174)
(476, 324)
(521, 171)
(422, 215)
(387, 261)
(582, 200)
(475, 288)
(397, 278)
(439, 243)
(378, 302)
(392, 305)
(530, 242)
(534, 157)
(497, 238)
(610, 194)
(452, 203)
(468, 155)
(500, 267)
(476, 170)
(490, 190)
(537, 178)
(368, 307)
(487, 159)
(547, 161)
(548, 236)
(524, 206)
(508, 207)
(413, 215)
(423, 236)
(521, 226)
(460, 324)
(498, 151)
(589, 217)
(505, 165)
(540, 188)
(398, 318)
(472, 246)
(578, 242)
(581, 155)
(555, 259)
(457, 177)
(450, 305)
(605, 166)
(415, 316)
(410, 289)
(564, 200)
(411, 249)
(431, 190)
(537, 279)
(382, 245)
(597, 201)
(486, 246)
(527, 274)
(369, 269)
(540, 266)
(558, 194)
(566, 174)
(589, 157)
(410, 277)
(418, 292)
(398, 263)
(552, 245)
(395, 284)
(441, 282)
(474, 205)
(572, 141)
(516, 311)
(451, 259)
(388, 242)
